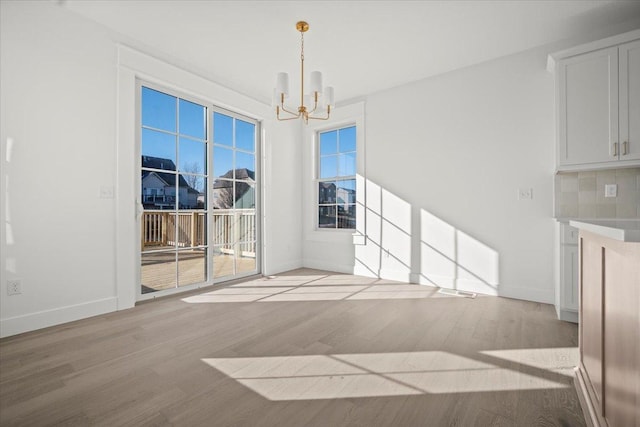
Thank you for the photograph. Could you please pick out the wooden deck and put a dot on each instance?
(159, 268)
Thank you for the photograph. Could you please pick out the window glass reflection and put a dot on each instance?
(161, 146)
(328, 166)
(222, 162)
(222, 129)
(192, 119)
(347, 138)
(158, 110)
(193, 156)
(245, 136)
(192, 266)
(327, 217)
(328, 142)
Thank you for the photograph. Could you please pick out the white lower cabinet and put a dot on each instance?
(567, 292)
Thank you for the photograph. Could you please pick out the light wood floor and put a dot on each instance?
(303, 348)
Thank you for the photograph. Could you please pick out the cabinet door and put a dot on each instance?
(570, 277)
(588, 108)
(630, 100)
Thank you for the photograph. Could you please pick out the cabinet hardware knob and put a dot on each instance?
(625, 148)
(615, 149)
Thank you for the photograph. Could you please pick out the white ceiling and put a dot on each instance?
(360, 46)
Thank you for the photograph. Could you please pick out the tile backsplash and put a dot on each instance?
(581, 194)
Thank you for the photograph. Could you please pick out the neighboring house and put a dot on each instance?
(244, 196)
(330, 194)
(159, 188)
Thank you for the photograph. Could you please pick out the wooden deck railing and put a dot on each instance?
(187, 228)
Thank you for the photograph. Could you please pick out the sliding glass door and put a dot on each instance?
(198, 191)
(234, 225)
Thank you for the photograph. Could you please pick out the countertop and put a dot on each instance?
(625, 230)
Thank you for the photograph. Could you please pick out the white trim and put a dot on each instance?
(319, 264)
(134, 65)
(447, 282)
(553, 58)
(349, 115)
(42, 319)
(545, 296)
(281, 268)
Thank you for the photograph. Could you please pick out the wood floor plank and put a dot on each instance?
(381, 353)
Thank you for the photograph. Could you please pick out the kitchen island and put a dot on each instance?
(608, 376)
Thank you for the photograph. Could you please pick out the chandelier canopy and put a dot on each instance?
(317, 104)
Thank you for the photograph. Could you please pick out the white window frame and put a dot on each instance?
(344, 116)
(318, 158)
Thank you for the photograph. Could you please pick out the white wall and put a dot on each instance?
(444, 158)
(324, 249)
(68, 132)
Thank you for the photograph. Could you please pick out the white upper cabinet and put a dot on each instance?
(598, 104)
(588, 108)
(629, 57)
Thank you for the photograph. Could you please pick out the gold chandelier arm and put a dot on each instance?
(322, 118)
(294, 115)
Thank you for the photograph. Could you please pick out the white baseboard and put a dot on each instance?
(281, 268)
(475, 286)
(328, 266)
(568, 315)
(43, 319)
(545, 296)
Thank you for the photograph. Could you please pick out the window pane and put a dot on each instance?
(346, 216)
(346, 191)
(223, 261)
(191, 194)
(193, 156)
(158, 193)
(245, 161)
(245, 136)
(326, 192)
(347, 164)
(223, 194)
(192, 266)
(347, 139)
(246, 257)
(327, 217)
(192, 119)
(222, 227)
(160, 150)
(158, 271)
(158, 110)
(329, 142)
(222, 162)
(328, 166)
(155, 228)
(245, 195)
(246, 226)
(222, 129)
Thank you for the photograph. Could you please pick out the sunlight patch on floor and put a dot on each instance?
(390, 374)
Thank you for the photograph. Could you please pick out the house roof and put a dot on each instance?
(164, 164)
(242, 174)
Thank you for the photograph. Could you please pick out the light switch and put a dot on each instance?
(525, 194)
(611, 190)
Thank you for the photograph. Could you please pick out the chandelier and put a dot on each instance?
(312, 106)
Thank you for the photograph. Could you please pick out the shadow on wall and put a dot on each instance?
(408, 243)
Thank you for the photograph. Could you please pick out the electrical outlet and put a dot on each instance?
(525, 194)
(14, 287)
(611, 190)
